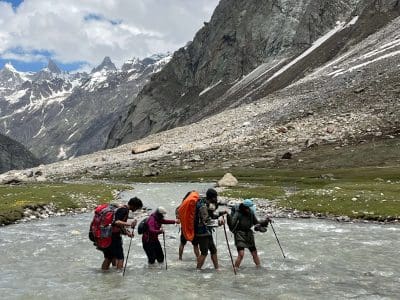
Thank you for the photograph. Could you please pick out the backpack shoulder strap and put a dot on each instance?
(235, 221)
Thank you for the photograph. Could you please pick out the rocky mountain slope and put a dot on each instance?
(58, 115)
(341, 112)
(248, 50)
(15, 156)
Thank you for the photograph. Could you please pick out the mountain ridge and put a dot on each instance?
(58, 115)
(193, 86)
(14, 155)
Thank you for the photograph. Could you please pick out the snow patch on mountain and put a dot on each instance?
(15, 97)
(161, 63)
(209, 88)
(96, 80)
(62, 153)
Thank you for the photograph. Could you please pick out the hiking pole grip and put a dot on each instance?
(277, 240)
(229, 248)
(127, 256)
(165, 252)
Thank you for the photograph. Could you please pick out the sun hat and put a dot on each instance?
(161, 210)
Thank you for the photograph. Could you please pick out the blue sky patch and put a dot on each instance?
(14, 3)
(97, 17)
(39, 63)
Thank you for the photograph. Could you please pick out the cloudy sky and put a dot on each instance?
(77, 34)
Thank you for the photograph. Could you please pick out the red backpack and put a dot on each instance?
(101, 227)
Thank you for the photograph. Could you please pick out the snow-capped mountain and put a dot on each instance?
(11, 78)
(106, 65)
(58, 115)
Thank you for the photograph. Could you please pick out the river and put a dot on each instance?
(53, 259)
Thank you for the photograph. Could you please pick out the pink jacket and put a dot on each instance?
(153, 227)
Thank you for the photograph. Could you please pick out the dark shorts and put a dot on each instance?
(184, 241)
(206, 243)
(115, 250)
(251, 249)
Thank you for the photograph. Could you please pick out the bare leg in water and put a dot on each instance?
(196, 250)
(106, 264)
(256, 259)
(202, 258)
(181, 247)
(120, 264)
(214, 259)
(200, 261)
(239, 258)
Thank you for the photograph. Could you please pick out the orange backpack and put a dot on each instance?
(187, 214)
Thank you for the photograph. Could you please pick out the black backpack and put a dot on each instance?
(143, 226)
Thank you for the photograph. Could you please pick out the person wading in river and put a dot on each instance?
(151, 244)
(205, 213)
(183, 240)
(115, 253)
(241, 223)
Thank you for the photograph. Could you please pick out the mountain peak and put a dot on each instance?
(106, 65)
(10, 67)
(53, 68)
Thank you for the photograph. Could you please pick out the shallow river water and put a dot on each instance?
(53, 259)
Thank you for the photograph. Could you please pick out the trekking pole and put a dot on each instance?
(277, 240)
(127, 256)
(229, 248)
(165, 252)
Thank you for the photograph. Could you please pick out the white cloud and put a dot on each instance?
(77, 30)
(24, 57)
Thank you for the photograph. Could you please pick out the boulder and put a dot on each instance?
(327, 176)
(227, 181)
(145, 148)
(150, 172)
(287, 155)
(195, 158)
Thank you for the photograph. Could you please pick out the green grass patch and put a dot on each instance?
(63, 195)
(364, 193)
(371, 201)
(266, 192)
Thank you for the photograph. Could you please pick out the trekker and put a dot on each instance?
(183, 240)
(115, 252)
(240, 223)
(205, 213)
(151, 244)
(182, 244)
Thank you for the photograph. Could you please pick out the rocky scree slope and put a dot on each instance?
(249, 49)
(352, 99)
(58, 115)
(13, 155)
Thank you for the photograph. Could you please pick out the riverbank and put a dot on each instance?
(24, 202)
(344, 195)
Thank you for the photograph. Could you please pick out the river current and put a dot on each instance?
(53, 259)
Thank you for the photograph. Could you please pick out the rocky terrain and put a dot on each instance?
(58, 115)
(13, 155)
(247, 51)
(351, 100)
